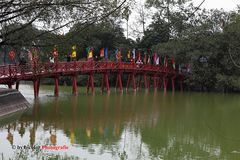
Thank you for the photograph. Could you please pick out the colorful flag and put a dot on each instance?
(11, 55)
(116, 54)
(106, 53)
(102, 53)
(165, 62)
(90, 53)
(134, 53)
(173, 63)
(139, 56)
(129, 54)
(74, 52)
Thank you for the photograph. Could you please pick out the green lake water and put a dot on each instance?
(134, 126)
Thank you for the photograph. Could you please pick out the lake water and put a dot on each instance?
(142, 125)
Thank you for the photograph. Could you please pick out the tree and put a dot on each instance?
(52, 15)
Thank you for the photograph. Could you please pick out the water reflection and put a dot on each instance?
(144, 125)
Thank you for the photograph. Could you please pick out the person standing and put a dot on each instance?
(55, 54)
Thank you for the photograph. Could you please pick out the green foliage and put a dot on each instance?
(214, 34)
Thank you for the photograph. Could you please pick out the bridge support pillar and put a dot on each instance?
(74, 85)
(17, 85)
(106, 81)
(119, 81)
(131, 77)
(155, 82)
(159, 85)
(9, 85)
(173, 84)
(139, 83)
(165, 82)
(145, 81)
(36, 85)
(90, 83)
(181, 85)
(56, 87)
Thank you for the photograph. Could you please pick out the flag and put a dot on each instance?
(90, 53)
(74, 53)
(11, 55)
(134, 53)
(165, 62)
(116, 54)
(139, 56)
(106, 53)
(129, 54)
(87, 50)
(173, 63)
(102, 53)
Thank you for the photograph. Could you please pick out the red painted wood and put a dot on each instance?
(56, 87)
(10, 74)
(74, 84)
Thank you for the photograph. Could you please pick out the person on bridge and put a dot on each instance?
(55, 54)
(133, 55)
(74, 53)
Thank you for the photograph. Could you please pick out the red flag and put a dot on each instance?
(102, 53)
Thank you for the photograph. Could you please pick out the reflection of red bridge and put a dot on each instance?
(9, 74)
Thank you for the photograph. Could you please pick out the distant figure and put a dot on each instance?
(22, 59)
(55, 54)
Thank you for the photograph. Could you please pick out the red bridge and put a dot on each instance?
(157, 75)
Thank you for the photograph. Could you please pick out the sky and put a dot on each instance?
(226, 5)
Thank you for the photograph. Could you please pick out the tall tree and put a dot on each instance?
(52, 15)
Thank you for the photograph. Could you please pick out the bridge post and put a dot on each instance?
(165, 82)
(74, 85)
(105, 80)
(145, 81)
(90, 83)
(17, 85)
(36, 85)
(155, 82)
(181, 85)
(149, 84)
(131, 77)
(173, 84)
(9, 86)
(134, 82)
(139, 83)
(159, 83)
(56, 87)
(119, 81)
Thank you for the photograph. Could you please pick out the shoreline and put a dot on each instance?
(12, 101)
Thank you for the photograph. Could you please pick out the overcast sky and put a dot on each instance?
(225, 4)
